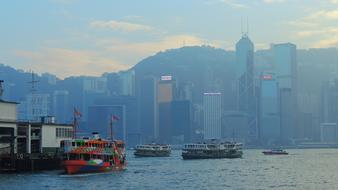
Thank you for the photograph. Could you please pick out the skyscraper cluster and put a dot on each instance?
(198, 93)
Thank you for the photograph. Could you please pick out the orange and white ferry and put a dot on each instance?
(93, 155)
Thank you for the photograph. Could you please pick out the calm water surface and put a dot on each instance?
(302, 169)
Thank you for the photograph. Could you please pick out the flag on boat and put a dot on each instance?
(115, 118)
(77, 113)
(116, 155)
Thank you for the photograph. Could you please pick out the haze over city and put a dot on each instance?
(69, 37)
(154, 94)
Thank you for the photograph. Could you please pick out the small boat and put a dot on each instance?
(275, 152)
(152, 150)
(212, 150)
(93, 155)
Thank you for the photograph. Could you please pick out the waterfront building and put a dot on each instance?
(8, 127)
(328, 132)
(25, 137)
(42, 137)
(235, 126)
(212, 107)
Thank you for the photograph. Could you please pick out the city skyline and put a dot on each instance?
(72, 38)
(158, 94)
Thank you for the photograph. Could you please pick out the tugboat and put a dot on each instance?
(275, 152)
(212, 150)
(152, 150)
(93, 155)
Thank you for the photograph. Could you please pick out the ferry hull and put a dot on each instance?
(81, 166)
(212, 155)
(152, 153)
(274, 153)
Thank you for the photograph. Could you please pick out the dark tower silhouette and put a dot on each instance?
(246, 99)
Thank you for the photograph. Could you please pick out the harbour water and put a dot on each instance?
(301, 169)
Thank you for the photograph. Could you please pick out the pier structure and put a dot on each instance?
(28, 146)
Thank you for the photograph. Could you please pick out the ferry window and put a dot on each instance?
(70, 133)
(73, 156)
(62, 132)
(73, 143)
(86, 157)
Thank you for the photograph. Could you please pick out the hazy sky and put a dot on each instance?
(89, 37)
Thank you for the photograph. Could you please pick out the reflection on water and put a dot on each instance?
(302, 169)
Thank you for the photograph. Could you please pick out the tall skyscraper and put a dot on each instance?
(127, 83)
(246, 99)
(166, 89)
(93, 88)
(101, 116)
(181, 121)
(146, 98)
(61, 108)
(285, 64)
(212, 107)
(34, 107)
(329, 102)
(125, 109)
(244, 58)
(269, 117)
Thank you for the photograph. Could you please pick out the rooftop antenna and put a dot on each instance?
(33, 82)
(1, 89)
(247, 26)
(242, 26)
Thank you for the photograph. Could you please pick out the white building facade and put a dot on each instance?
(212, 106)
